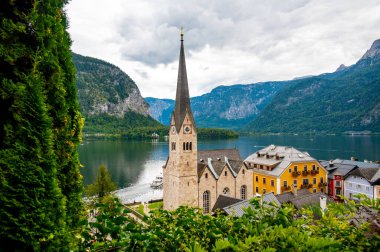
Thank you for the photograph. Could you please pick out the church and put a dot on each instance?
(196, 178)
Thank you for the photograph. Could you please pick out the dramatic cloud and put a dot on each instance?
(227, 42)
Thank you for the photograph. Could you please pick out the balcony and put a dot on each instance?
(322, 184)
(296, 173)
(285, 188)
(305, 173)
(314, 172)
(303, 186)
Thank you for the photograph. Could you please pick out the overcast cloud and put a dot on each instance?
(227, 42)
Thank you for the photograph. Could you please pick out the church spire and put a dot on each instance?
(182, 100)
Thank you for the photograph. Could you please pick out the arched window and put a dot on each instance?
(190, 146)
(184, 146)
(226, 190)
(173, 146)
(206, 202)
(243, 192)
(187, 146)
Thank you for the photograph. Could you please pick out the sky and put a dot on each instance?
(226, 41)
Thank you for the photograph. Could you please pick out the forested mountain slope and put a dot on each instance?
(346, 100)
(109, 99)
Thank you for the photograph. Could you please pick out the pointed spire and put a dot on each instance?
(182, 100)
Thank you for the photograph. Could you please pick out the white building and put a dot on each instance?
(362, 181)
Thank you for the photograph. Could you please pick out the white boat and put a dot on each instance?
(157, 183)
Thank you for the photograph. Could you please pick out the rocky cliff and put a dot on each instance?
(108, 95)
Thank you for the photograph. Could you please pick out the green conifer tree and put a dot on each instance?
(103, 184)
(40, 127)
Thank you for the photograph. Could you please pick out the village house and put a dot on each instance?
(362, 180)
(338, 169)
(196, 178)
(277, 168)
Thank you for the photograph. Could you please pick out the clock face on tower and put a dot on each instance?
(187, 129)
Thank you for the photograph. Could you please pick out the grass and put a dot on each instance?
(156, 205)
(140, 209)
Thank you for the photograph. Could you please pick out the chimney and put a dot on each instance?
(323, 202)
(294, 190)
(331, 163)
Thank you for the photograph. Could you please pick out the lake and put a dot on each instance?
(134, 164)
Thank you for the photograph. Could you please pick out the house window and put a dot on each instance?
(295, 183)
(173, 146)
(305, 167)
(317, 168)
(257, 178)
(358, 187)
(305, 181)
(295, 168)
(337, 183)
(255, 165)
(257, 189)
(321, 179)
(264, 191)
(322, 189)
(226, 190)
(314, 181)
(206, 202)
(314, 190)
(225, 173)
(272, 182)
(313, 167)
(243, 192)
(243, 171)
(264, 181)
(285, 183)
(206, 175)
(190, 146)
(290, 170)
(261, 166)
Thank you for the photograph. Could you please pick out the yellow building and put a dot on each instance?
(277, 168)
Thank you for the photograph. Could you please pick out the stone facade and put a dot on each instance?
(180, 173)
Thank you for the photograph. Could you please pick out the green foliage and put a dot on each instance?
(109, 226)
(103, 184)
(259, 229)
(40, 183)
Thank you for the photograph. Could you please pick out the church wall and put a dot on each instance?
(226, 181)
(244, 179)
(207, 184)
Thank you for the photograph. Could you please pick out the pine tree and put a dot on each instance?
(103, 184)
(40, 127)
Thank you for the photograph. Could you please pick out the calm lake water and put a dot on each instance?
(134, 164)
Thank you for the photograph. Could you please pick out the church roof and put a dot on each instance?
(182, 100)
(219, 154)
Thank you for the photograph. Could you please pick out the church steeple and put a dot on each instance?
(182, 100)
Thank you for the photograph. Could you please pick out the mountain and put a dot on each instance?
(224, 107)
(109, 99)
(346, 100)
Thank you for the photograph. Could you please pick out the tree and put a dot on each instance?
(103, 184)
(40, 128)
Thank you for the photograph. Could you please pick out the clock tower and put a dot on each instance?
(180, 171)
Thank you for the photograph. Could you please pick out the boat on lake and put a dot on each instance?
(157, 183)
